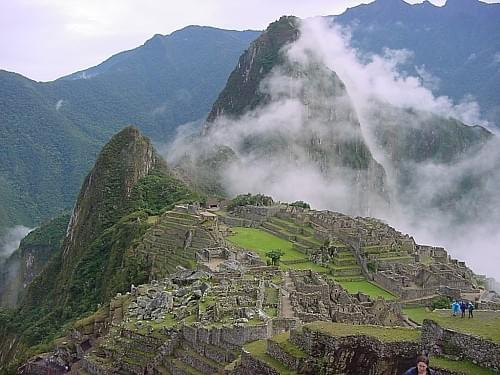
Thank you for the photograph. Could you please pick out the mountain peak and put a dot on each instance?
(253, 65)
(391, 3)
(126, 158)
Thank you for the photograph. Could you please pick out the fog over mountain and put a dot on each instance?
(442, 202)
(10, 241)
(453, 48)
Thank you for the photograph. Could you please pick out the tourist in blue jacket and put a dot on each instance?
(422, 367)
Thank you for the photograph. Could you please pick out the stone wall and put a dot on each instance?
(252, 366)
(276, 352)
(256, 214)
(355, 354)
(388, 283)
(440, 340)
(280, 325)
(408, 294)
(230, 337)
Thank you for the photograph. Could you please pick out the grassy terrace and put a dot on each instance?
(366, 287)
(485, 324)
(385, 334)
(283, 341)
(261, 242)
(258, 350)
(464, 367)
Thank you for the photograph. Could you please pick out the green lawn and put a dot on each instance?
(465, 367)
(485, 323)
(366, 287)
(386, 334)
(261, 242)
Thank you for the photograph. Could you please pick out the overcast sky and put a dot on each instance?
(46, 39)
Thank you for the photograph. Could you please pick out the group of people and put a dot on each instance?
(462, 306)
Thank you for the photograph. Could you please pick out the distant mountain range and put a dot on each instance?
(456, 47)
(51, 132)
(174, 79)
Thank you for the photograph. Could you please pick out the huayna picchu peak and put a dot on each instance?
(316, 124)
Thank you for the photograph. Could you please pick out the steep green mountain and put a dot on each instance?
(43, 158)
(241, 92)
(51, 132)
(325, 133)
(129, 184)
(457, 43)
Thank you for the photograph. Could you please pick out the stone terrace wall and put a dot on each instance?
(252, 366)
(225, 337)
(357, 354)
(256, 214)
(445, 341)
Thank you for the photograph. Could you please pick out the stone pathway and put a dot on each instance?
(286, 306)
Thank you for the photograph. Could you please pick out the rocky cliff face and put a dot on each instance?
(241, 92)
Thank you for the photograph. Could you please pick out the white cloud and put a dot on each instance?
(47, 39)
(286, 170)
(9, 242)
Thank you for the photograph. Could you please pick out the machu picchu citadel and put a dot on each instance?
(214, 305)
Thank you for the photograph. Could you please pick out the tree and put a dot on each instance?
(275, 256)
(300, 204)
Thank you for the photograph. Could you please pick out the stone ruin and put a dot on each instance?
(198, 319)
(381, 253)
(315, 299)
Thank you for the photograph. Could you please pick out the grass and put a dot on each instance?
(271, 296)
(485, 324)
(283, 341)
(258, 350)
(464, 367)
(152, 219)
(305, 266)
(271, 311)
(261, 242)
(385, 334)
(168, 322)
(366, 287)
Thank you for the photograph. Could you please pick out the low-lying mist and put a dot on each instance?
(283, 151)
(9, 242)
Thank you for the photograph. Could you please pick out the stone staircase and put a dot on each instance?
(345, 264)
(386, 254)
